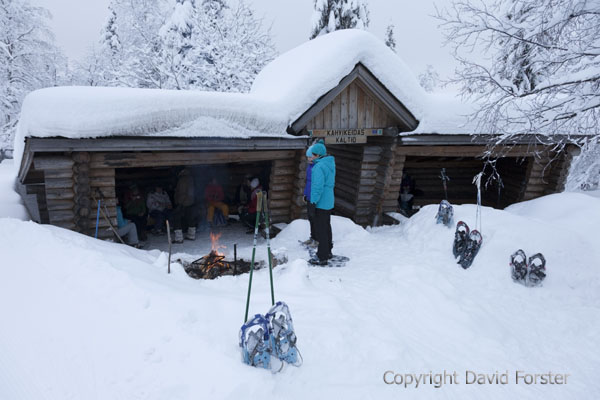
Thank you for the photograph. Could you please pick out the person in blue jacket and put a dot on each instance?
(310, 208)
(321, 196)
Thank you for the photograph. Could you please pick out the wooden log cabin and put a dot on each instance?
(371, 123)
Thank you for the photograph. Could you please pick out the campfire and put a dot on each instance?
(214, 263)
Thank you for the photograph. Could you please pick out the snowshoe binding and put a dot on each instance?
(445, 213)
(282, 336)
(472, 248)
(460, 238)
(536, 269)
(255, 342)
(518, 264)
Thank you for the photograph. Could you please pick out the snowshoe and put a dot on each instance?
(282, 336)
(460, 238)
(472, 248)
(536, 269)
(445, 213)
(518, 264)
(332, 261)
(255, 342)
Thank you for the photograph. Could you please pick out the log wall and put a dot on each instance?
(282, 188)
(58, 189)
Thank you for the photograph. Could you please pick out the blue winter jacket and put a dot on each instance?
(322, 182)
(308, 178)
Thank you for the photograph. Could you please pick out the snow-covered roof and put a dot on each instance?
(297, 78)
(284, 90)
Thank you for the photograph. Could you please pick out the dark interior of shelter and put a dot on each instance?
(422, 177)
(229, 176)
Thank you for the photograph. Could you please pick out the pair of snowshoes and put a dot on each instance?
(466, 244)
(268, 341)
(445, 213)
(528, 272)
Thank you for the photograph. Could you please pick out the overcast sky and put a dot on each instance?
(77, 24)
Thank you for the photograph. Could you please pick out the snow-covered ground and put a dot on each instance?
(87, 319)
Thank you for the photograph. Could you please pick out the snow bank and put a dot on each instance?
(11, 204)
(85, 319)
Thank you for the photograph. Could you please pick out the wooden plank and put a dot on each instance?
(284, 171)
(53, 183)
(59, 194)
(60, 216)
(353, 106)
(327, 116)
(53, 162)
(360, 102)
(102, 181)
(277, 195)
(336, 113)
(282, 187)
(103, 172)
(56, 205)
(344, 109)
(368, 111)
(279, 203)
(58, 173)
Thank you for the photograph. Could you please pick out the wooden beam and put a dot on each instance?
(131, 160)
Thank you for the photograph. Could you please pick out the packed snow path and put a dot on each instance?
(88, 319)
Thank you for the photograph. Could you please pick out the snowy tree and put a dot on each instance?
(333, 15)
(176, 35)
(541, 73)
(29, 60)
(179, 44)
(585, 168)
(233, 49)
(390, 40)
(429, 79)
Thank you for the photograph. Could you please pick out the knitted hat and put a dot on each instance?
(254, 183)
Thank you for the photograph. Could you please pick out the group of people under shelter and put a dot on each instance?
(183, 213)
(135, 211)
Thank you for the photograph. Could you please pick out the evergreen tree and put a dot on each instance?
(332, 15)
(390, 40)
(29, 60)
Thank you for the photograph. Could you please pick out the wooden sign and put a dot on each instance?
(345, 136)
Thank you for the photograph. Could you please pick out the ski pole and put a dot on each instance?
(258, 208)
(444, 179)
(266, 215)
(97, 220)
(169, 239)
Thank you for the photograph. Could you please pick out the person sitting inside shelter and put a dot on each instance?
(135, 209)
(248, 214)
(213, 193)
(159, 208)
(242, 193)
(126, 228)
(184, 214)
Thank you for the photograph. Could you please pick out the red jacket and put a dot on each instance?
(253, 200)
(213, 193)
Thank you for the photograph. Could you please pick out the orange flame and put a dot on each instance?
(215, 247)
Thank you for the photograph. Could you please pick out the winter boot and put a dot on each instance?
(191, 233)
(471, 249)
(460, 239)
(536, 269)
(518, 264)
(178, 236)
